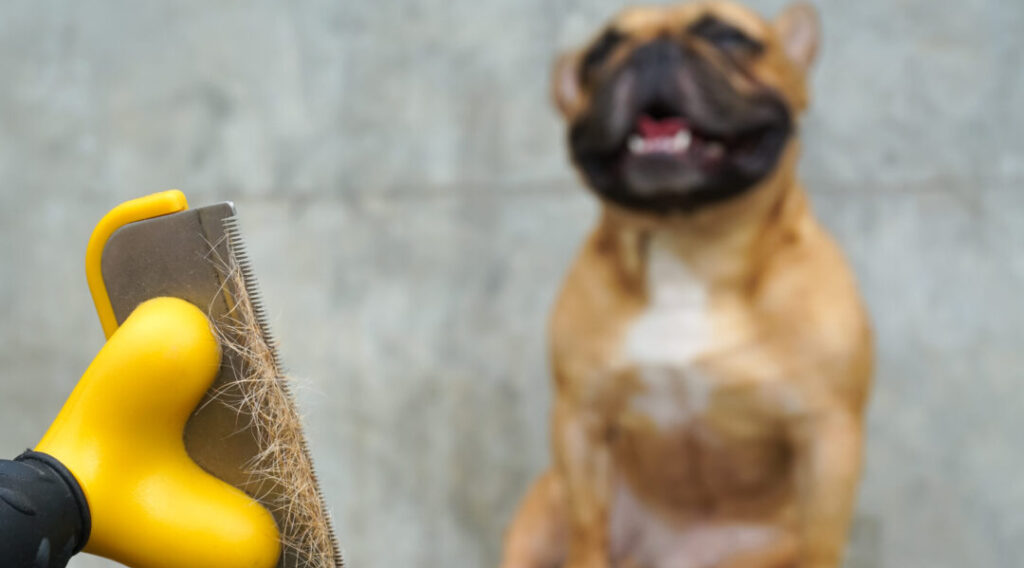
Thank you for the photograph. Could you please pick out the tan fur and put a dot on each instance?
(742, 452)
(281, 475)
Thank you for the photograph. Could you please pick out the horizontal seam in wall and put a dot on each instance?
(562, 188)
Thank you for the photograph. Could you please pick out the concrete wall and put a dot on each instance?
(407, 202)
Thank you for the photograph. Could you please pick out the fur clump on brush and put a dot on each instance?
(282, 470)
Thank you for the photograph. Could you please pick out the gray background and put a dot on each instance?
(407, 202)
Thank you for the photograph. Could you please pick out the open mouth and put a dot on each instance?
(674, 137)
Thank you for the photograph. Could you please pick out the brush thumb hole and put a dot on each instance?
(121, 434)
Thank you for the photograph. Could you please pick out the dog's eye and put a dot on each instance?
(724, 36)
(600, 51)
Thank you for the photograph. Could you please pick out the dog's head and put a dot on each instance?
(679, 107)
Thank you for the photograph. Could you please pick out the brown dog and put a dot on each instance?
(711, 355)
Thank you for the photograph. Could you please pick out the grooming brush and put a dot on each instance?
(247, 430)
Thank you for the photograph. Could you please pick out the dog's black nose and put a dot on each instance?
(655, 65)
(661, 53)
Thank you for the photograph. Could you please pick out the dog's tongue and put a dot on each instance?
(649, 127)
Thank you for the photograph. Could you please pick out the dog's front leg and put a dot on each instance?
(829, 462)
(584, 460)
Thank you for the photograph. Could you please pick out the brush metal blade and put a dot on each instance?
(171, 255)
(197, 255)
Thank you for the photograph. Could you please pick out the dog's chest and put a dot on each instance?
(663, 343)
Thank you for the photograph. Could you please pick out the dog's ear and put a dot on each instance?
(799, 30)
(565, 83)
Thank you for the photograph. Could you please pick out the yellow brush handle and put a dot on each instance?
(148, 207)
(120, 434)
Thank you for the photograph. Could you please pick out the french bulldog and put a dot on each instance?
(711, 355)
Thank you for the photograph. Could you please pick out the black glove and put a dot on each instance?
(44, 518)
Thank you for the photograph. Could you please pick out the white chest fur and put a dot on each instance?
(668, 336)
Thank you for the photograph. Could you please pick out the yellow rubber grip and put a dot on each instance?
(155, 205)
(120, 434)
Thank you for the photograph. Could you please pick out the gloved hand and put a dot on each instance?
(111, 476)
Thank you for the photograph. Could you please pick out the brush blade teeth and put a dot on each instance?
(241, 262)
(241, 257)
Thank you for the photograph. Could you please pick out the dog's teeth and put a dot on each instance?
(636, 144)
(682, 140)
